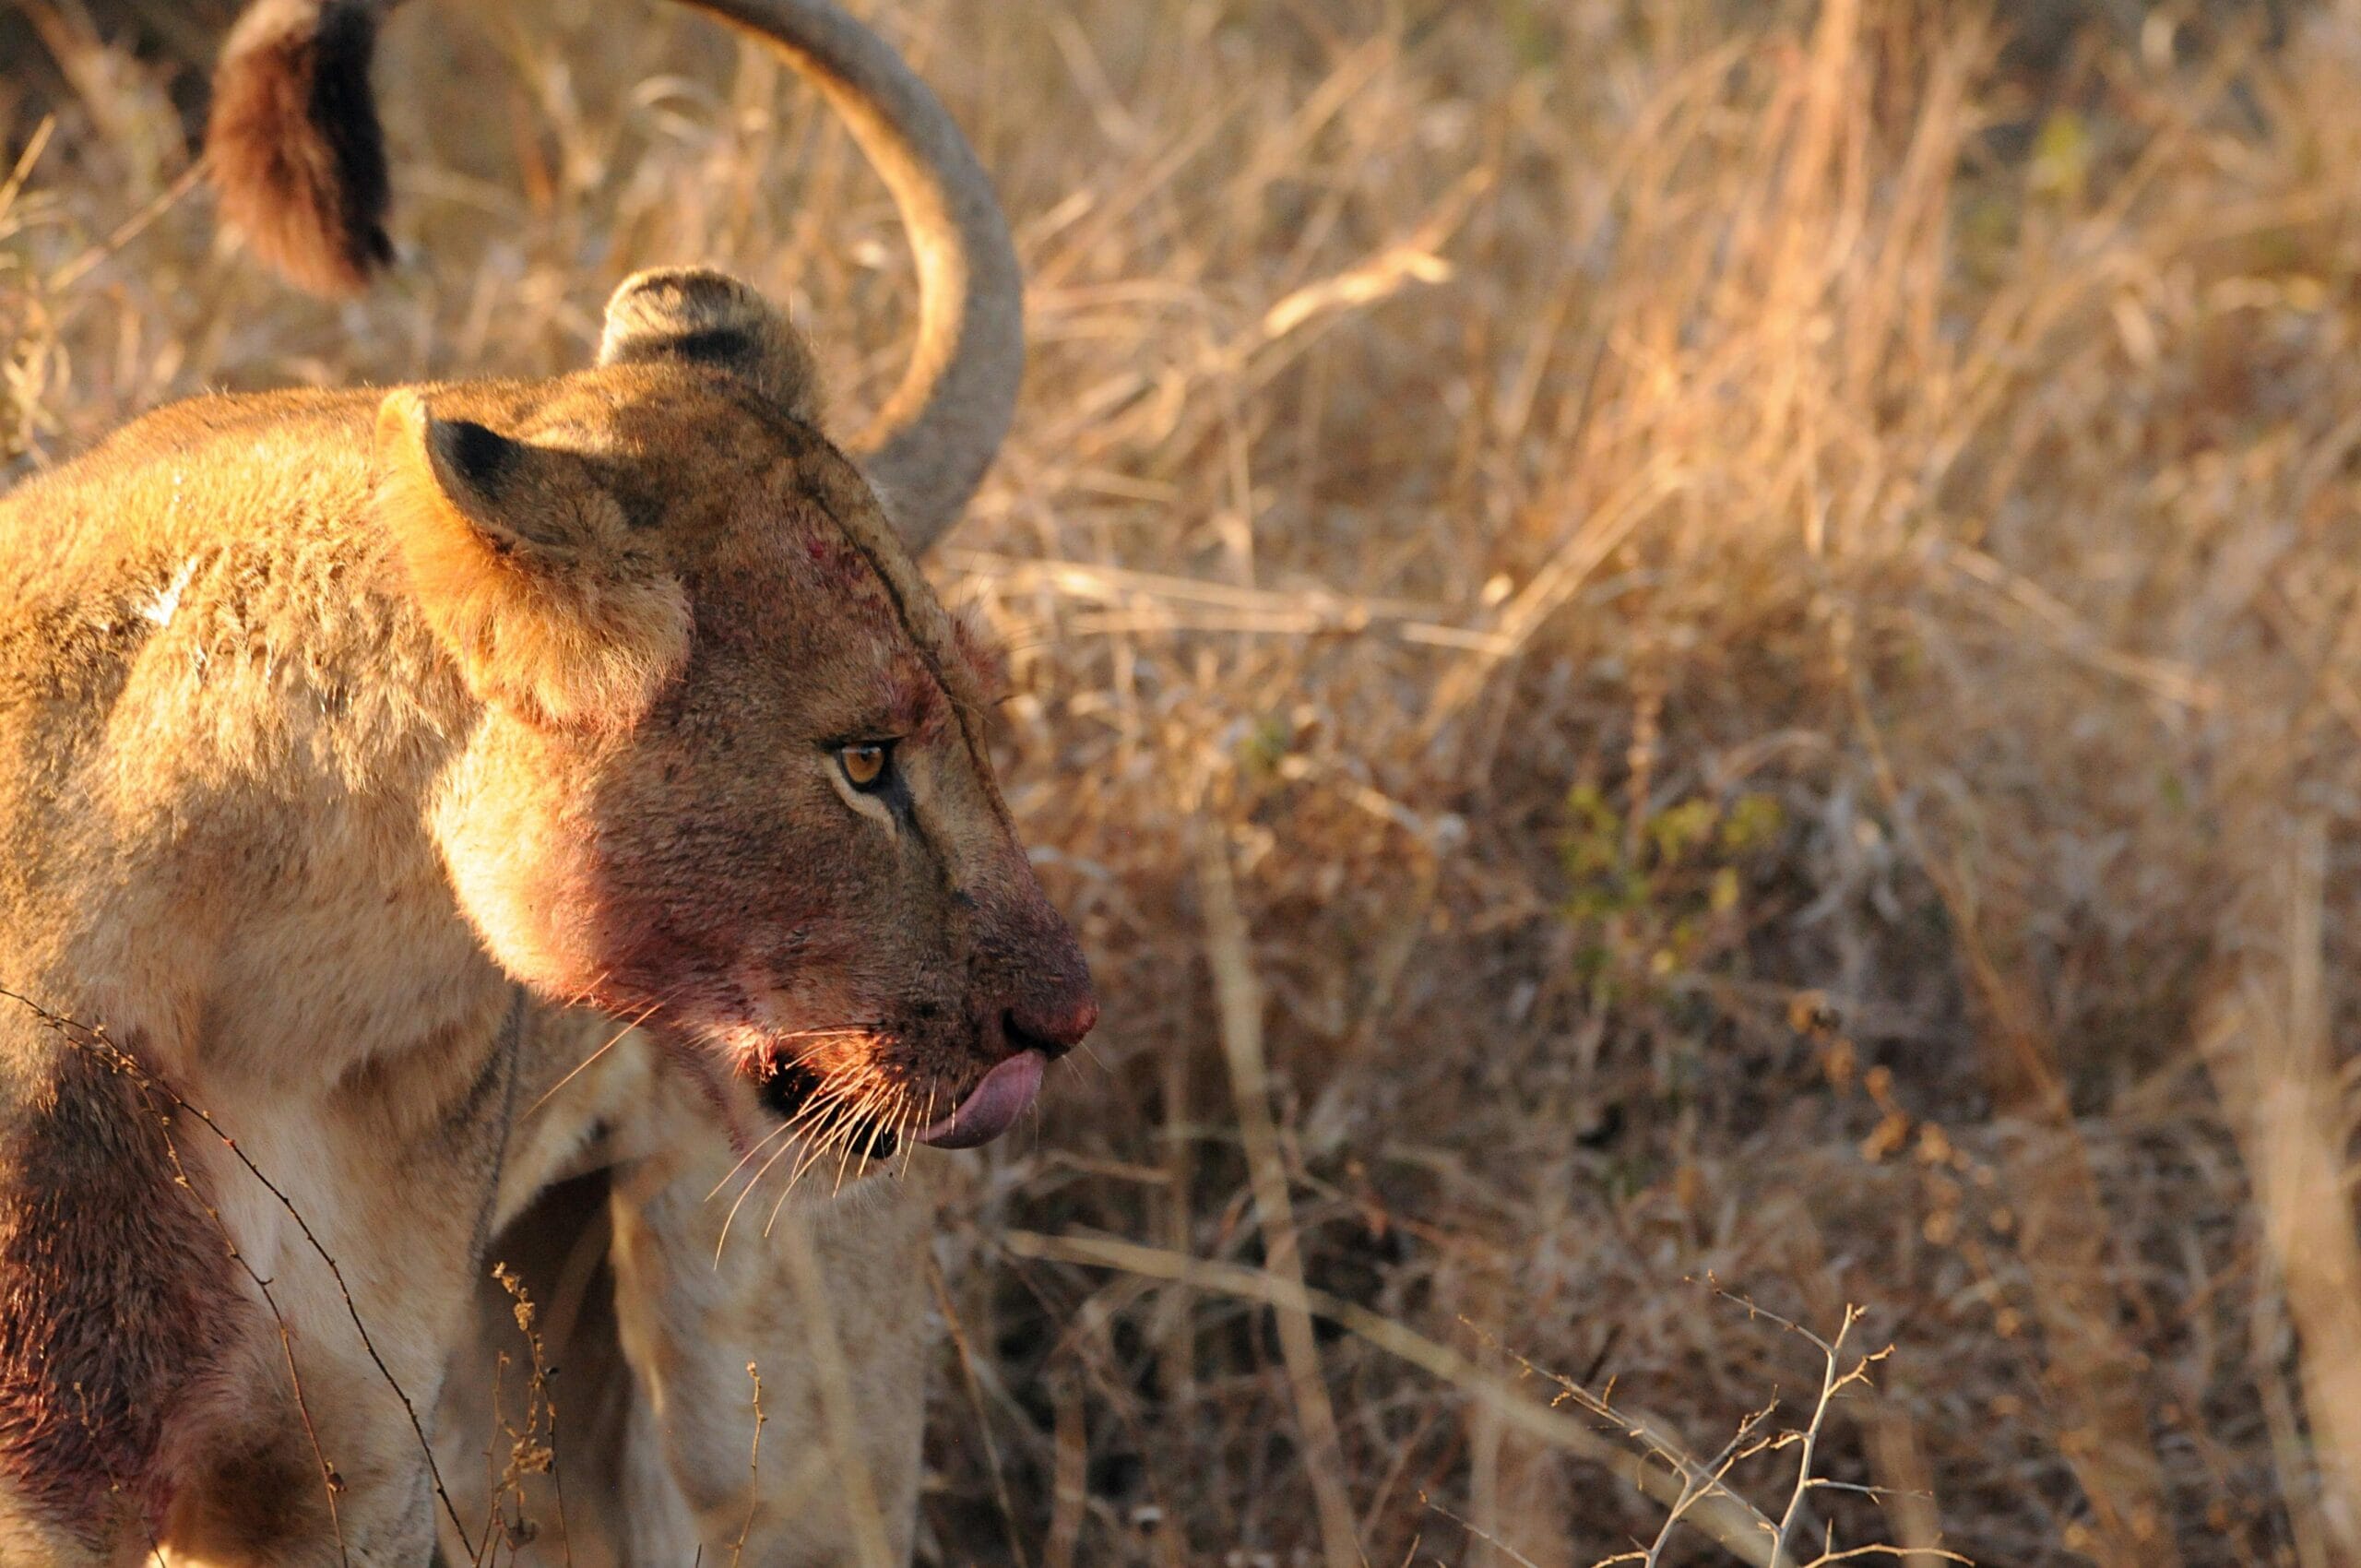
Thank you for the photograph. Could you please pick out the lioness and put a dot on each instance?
(368, 759)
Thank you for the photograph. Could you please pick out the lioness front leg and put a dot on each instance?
(830, 1309)
(146, 1406)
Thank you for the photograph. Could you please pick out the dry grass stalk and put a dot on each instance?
(1240, 994)
(531, 1441)
(2066, 1247)
(1069, 1494)
(972, 1385)
(1695, 1492)
(27, 337)
(2265, 1039)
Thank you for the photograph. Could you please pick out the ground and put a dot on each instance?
(1658, 644)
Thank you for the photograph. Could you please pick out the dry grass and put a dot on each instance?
(1757, 615)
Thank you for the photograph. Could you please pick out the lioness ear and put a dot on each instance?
(527, 571)
(700, 316)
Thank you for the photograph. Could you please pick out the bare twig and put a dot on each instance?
(754, 1468)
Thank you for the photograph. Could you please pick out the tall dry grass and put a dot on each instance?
(1659, 642)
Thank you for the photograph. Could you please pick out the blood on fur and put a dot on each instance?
(118, 1297)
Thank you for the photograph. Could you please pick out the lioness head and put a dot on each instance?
(729, 777)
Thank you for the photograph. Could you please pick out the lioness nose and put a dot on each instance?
(1051, 1026)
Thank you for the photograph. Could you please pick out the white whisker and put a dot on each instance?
(580, 1066)
(809, 1113)
(779, 1130)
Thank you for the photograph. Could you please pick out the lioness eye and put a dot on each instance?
(864, 763)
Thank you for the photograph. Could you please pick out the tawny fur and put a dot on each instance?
(695, 316)
(585, 632)
(327, 718)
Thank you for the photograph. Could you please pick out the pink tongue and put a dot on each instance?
(991, 1105)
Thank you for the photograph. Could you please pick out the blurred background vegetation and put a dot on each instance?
(1658, 642)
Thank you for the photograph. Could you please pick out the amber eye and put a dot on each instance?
(865, 762)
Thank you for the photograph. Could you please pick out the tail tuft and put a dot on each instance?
(297, 154)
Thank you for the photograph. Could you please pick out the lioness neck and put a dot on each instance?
(238, 722)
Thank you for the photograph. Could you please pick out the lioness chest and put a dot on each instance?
(258, 1092)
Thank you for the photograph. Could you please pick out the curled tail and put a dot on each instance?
(300, 163)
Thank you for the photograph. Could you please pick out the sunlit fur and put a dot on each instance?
(367, 705)
(591, 642)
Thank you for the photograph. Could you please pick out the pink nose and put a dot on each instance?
(1052, 1026)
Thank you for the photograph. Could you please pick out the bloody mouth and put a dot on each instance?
(986, 1112)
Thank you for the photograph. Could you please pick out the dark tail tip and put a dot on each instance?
(296, 151)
